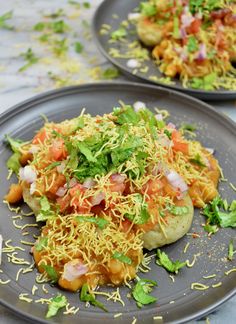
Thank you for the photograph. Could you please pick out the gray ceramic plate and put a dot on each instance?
(113, 12)
(176, 301)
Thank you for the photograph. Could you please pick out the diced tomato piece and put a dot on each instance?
(97, 210)
(83, 208)
(181, 147)
(63, 202)
(58, 150)
(152, 187)
(194, 28)
(178, 144)
(126, 224)
(59, 181)
(40, 137)
(176, 136)
(76, 189)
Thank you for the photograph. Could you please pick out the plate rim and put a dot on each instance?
(205, 95)
(50, 95)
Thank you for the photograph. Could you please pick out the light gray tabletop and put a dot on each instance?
(50, 72)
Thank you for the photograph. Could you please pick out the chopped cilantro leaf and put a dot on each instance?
(52, 165)
(126, 115)
(40, 26)
(51, 272)
(45, 212)
(30, 58)
(100, 222)
(188, 127)
(60, 47)
(4, 18)
(144, 215)
(195, 5)
(206, 83)
(85, 150)
(168, 133)
(13, 162)
(42, 243)
(110, 73)
(119, 34)
(59, 27)
(178, 210)
(197, 160)
(79, 47)
(211, 228)
(14, 143)
(121, 257)
(192, 44)
(148, 9)
(164, 261)
(59, 13)
(86, 296)
(86, 5)
(176, 33)
(55, 304)
(141, 292)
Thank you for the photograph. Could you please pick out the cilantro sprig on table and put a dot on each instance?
(6, 16)
(30, 59)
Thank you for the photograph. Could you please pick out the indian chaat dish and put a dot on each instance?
(106, 187)
(192, 40)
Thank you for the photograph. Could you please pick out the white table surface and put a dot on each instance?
(77, 69)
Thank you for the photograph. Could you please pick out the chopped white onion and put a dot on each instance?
(118, 178)
(134, 16)
(171, 125)
(73, 182)
(202, 53)
(139, 105)
(183, 33)
(28, 174)
(210, 150)
(198, 15)
(61, 191)
(1, 240)
(159, 117)
(164, 141)
(186, 19)
(61, 167)
(89, 183)
(206, 162)
(32, 188)
(34, 149)
(97, 199)
(132, 63)
(176, 180)
(73, 270)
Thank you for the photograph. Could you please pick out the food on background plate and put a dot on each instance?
(107, 187)
(192, 40)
